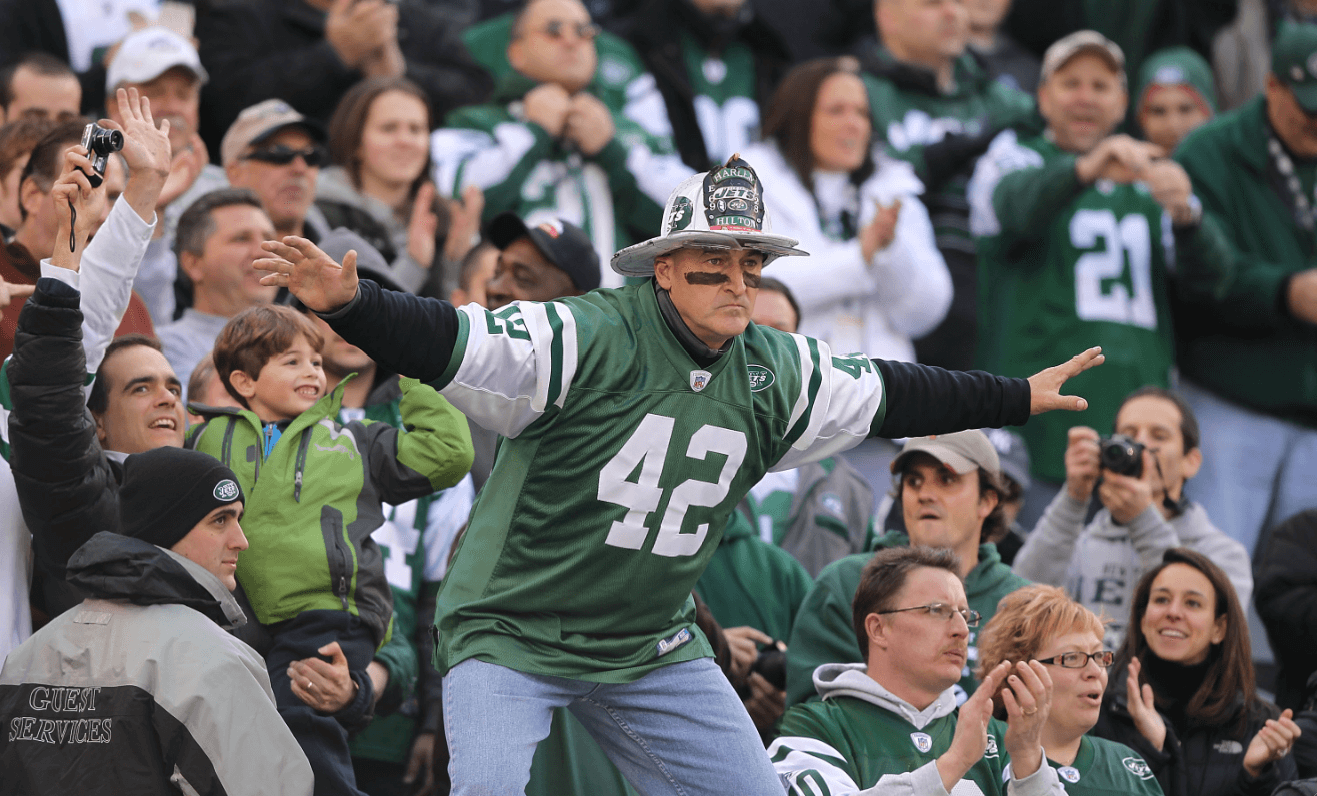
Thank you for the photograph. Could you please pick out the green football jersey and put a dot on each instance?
(724, 96)
(845, 744)
(1105, 768)
(622, 460)
(1062, 267)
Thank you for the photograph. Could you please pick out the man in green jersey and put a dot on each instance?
(548, 146)
(634, 420)
(1076, 229)
(890, 725)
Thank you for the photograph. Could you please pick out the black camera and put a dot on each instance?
(1122, 455)
(771, 664)
(99, 143)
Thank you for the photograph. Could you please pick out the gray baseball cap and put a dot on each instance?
(259, 122)
(1082, 41)
(963, 451)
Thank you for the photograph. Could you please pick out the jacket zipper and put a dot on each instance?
(301, 466)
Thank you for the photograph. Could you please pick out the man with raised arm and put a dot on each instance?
(635, 419)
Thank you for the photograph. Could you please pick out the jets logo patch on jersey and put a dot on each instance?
(1137, 767)
(990, 751)
(923, 741)
(761, 378)
(700, 379)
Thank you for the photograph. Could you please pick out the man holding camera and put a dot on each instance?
(1139, 475)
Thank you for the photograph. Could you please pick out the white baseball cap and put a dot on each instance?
(148, 54)
(721, 207)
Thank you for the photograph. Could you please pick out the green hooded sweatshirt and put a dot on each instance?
(823, 632)
(751, 582)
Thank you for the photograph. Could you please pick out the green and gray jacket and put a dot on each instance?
(314, 500)
(823, 632)
(1242, 343)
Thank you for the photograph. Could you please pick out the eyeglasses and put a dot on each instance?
(1078, 660)
(941, 611)
(282, 155)
(557, 29)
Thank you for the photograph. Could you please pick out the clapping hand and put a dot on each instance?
(1143, 709)
(879, 233)
(1272, 742)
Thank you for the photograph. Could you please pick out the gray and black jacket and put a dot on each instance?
(140, 690)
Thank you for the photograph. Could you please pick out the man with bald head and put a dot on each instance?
(548, 147)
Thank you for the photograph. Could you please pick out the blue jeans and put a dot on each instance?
(678, 730)
(1257, 470)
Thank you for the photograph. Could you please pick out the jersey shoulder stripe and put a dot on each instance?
(1005, 155)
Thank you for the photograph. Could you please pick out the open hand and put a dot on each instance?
(189, 160)
(1045, 386)
(971, 737)
(879, 233)
(422, 227)
(308, 273)
(463, 222)
(1271, 743)
(1143, 709)
(1028, 700)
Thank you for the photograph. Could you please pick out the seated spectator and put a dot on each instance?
(294, 574)
(309, 52)
(1246, 361)
(950, 487)
(891, 723)
(1058, 217)
(1003, 57)
(148, 159)
(1175, 96)
(1040, 623)
(65, 461)
(17, 140)
(1143, 514)
(1286, 598)
(476, 273)
(716, 63)
(1014, 456)
(1183, 694)
(379, 187)
(218, 239)
(874, 279)
(822, 511)
(563, 153)
(39, 86)
(150, 692)
(206, 389)
(164, 67)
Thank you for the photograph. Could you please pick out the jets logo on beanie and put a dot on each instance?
(165, 492)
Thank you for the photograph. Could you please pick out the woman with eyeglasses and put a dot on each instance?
(1183, 693)
(379, 142)
(1042, 623)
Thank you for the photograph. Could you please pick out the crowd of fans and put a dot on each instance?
(239, 522)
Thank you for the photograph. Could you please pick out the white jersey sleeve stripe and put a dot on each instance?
(503, 381)
(806, 376)
(566, 334)
(806, 768)
(841, 410)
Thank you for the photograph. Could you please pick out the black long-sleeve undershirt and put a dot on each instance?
(415, 336)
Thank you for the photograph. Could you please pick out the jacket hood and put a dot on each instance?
(1192, 525)
(738, 528)
(114, 567)
(987, 575)
(335, 185)
(853, 680)
(329, 405)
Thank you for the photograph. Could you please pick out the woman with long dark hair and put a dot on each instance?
(874, 279)
(1183, 693)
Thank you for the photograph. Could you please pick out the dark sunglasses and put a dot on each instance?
(282, 155)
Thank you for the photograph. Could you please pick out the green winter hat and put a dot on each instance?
(1180, 67)
(1294, 61)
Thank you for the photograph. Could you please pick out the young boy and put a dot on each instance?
(313, 574)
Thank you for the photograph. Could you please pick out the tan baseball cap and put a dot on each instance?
(963, 452)
(1082, 41)
(259, 122)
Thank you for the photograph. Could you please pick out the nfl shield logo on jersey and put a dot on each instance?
(923, 741)
(700, 379)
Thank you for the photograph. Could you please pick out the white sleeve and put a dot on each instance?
(1004, 156)
(645, 107)
(465, 157)
(109, 266)
(911, 279)
(515, 364)
(810, 767)
(835, 408)
(449, 512)
(833, 271)
(657, 173)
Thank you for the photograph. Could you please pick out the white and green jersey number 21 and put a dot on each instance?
(1129, 238)
(648, 449)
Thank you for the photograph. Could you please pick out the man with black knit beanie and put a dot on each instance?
(139, 689)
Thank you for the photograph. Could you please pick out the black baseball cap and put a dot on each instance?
(562, 243)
